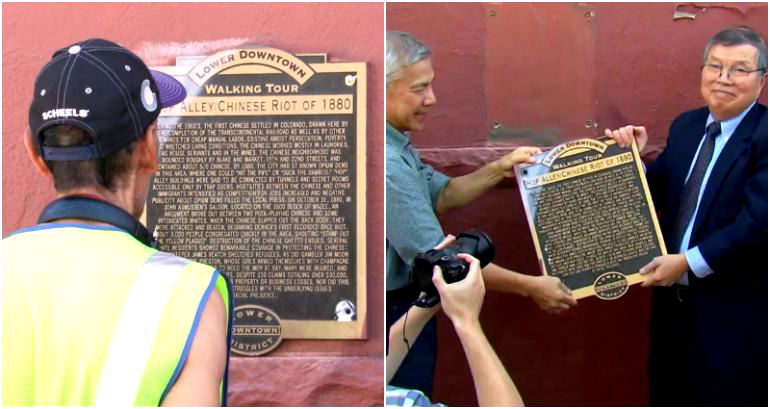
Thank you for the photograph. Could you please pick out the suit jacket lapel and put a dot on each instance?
(733, 150)
(688, 147)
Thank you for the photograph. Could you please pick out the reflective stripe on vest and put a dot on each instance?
(99, 319)
(136, 329)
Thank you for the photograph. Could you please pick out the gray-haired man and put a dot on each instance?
(416, 194)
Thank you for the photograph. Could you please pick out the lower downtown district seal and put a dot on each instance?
(610, 285)
(256, 330)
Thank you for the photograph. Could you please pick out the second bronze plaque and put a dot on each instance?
(591, 216)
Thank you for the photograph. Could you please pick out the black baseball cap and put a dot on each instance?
(104, 89)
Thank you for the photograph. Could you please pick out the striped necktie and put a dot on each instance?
(689, 199)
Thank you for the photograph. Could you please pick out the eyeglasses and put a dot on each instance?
(736, 73)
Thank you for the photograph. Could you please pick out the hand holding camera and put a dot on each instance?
(454, 269)
(461, 300)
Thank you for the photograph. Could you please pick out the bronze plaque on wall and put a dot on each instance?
(262, 175)
(591, 216)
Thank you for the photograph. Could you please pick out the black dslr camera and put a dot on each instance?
(475, 243)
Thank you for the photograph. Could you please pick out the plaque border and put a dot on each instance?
(319, 329)
(633, 278)
(329, 329)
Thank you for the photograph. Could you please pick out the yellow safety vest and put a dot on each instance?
(91, 316)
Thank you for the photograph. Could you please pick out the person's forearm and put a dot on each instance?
(494, 387)
(548, 292)
(464, 189)
(397, 348)
(500, 279)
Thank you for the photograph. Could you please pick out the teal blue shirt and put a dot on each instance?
(412, 191)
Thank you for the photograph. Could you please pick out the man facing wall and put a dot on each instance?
(93, 314)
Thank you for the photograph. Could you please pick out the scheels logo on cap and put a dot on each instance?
(65, 113)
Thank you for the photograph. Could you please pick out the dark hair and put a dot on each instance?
(737, 36)
(100, 172)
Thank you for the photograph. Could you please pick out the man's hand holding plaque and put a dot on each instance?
(551, 295)
(662, 270)
(524, 154)
(626, 136)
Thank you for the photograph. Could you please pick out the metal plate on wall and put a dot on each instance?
(262, 172)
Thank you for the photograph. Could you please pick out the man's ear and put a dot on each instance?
(31, 145)
(148, 148)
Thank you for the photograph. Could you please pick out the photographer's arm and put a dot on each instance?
(418, 317)
(494, 387)
(462, 304)
(397, 348)
(549, 293)
(462, 190)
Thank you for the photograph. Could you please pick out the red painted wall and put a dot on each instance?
(316, 372)
(542, 71)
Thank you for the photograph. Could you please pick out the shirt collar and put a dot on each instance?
(729, 126)
(396, 137)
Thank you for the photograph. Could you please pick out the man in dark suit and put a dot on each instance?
(708, 330)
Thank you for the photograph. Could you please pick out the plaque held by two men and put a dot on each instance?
(591, 216)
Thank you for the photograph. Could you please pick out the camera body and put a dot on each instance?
(476, 243)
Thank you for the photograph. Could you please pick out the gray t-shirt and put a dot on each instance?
(412, 190)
